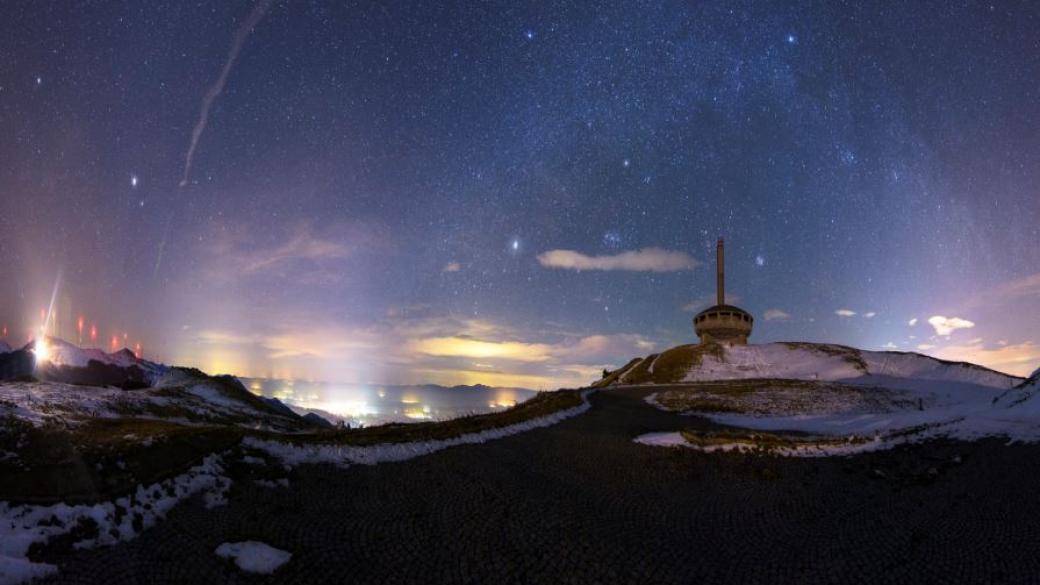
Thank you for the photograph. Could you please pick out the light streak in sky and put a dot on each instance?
(239, 38)
(50, 308)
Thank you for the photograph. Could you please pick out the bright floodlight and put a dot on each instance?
(41, 350)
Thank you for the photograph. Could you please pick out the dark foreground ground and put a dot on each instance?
(579, 502)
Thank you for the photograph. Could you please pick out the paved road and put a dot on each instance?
(579, 502)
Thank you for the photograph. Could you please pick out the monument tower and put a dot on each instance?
(722, 323)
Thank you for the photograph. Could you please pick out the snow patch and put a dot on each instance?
(662, 439)
(254, 557)
(808, 450)
(213, 395)
(373, 454)
(22, 526)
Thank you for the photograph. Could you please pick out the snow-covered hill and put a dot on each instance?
(63, 353)
(830, 390)
(182, 396)
(55, 360)
(1024, 397)
(805, 361)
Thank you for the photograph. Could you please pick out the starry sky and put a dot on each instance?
(514, 193)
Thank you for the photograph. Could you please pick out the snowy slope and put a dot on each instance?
(120, 520)
(804, 361)
(1024, 397)
(960, 401)
(65, 362)
(811, 361)
(197, 401)
(63, 353)
(926, 397)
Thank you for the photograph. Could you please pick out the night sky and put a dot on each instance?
(517, 194)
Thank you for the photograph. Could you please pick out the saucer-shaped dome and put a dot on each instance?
(723, 324)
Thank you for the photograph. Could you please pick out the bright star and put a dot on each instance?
(625, 163)
(792, 39)
(529, 34)
(760, 261)
(39, 80)
(133, 180)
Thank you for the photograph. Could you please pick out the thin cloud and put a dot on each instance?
(912, 322)
(845, 313)
(947, 325)
(302, 251)
(644, 260)
(452, 267)
(777, 315)
(302, 246)
(473, 348)
(869, 315)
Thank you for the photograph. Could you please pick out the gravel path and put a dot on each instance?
(579, 502)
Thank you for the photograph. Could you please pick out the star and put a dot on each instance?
(760, 261)
(791, 39)
(626, 163)
(39, 80)
(529, 34)
(133, 180)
